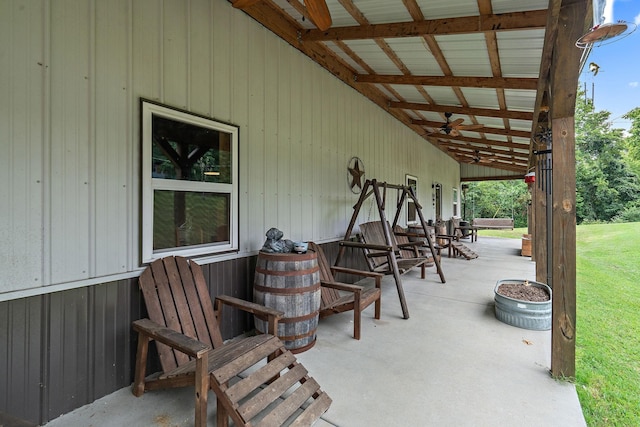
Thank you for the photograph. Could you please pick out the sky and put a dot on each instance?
(616, 86)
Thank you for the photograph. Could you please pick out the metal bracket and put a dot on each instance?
(541, 152)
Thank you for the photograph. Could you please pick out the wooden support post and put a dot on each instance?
(573, 21)
(564, 249)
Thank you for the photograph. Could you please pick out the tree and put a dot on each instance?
(607, 170)
(494, 199)
(605, 183)
(633, 140)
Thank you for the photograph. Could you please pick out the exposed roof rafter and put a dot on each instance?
(438, 62)
(434, 27)
(485, 129)
(487, 112)
(481, 82)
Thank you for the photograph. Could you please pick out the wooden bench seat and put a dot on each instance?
(493, 223)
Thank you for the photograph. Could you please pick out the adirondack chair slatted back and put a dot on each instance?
(176, 296)
(326, 275)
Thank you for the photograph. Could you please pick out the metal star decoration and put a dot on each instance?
(356, 173)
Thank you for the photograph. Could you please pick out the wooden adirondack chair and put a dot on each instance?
(356, 298)
(379, 251)
(184, 324)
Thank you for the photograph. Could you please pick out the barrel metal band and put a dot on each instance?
(288, 257)
(296, 337)
(298, 318)
(311, 270)
(287, 291)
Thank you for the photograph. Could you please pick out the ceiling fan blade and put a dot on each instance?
(454, 132)
(470, 127)
(456, 123)
(241, 4)
(319, 13)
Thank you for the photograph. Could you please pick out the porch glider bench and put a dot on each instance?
(493, 223)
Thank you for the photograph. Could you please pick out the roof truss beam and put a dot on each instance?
(493, 131)
(528, 20)
(479, 154)
(480, 82)
(487, 112)
(509, 156)
(482, 142)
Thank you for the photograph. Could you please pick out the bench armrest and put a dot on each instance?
(366, 246)
(410, 245)
(363, 273)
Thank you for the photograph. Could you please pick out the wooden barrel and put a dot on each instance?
(417, 229)
(442, 230)
(290, 283)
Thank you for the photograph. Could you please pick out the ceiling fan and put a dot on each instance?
(482, 158)
(317, 9)
(475, 157)
(452, 127)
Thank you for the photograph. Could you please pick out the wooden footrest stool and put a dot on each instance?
(462, 250)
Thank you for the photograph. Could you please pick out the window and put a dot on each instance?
(412, 183)
(437, 200)
(455, 203)
(189, 183)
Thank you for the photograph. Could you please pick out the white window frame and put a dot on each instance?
(456, 203)
(409, 181)
(150, 184)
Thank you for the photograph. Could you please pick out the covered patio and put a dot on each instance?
(451, 363)
(431, 94)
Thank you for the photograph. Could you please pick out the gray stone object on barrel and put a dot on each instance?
(275, 243)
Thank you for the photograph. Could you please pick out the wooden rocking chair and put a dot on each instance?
(184, 323)
(380, 253)
(413, 250)
(357, 298)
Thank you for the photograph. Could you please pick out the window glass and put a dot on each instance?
(182, 218)
(187, 152)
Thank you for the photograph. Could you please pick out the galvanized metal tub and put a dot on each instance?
(523, 314)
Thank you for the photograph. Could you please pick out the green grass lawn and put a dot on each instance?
(608, 321)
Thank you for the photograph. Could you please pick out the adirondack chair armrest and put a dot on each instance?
(356, 289)
(249, 307)
(272, 316)
(173, 339)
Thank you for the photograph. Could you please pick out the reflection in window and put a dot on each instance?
(188, 152)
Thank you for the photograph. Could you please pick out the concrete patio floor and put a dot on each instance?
(450, 364)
